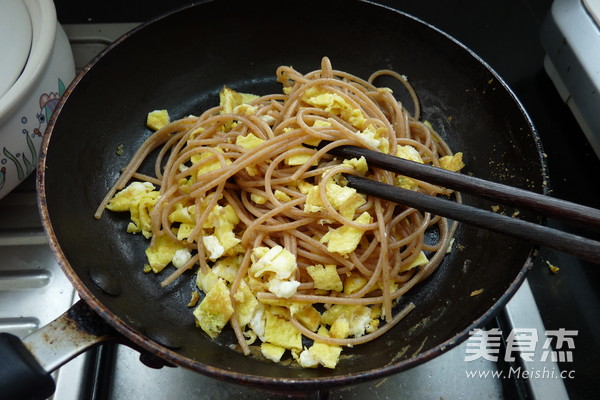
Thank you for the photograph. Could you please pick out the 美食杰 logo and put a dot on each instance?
(524, 343)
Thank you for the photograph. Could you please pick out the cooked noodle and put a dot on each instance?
(391, 241)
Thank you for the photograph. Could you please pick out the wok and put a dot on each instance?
(179, 62)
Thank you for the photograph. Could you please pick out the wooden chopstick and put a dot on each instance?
(508, 195)
(538, 234)
(578, 246)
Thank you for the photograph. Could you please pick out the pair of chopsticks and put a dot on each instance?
(578, 246)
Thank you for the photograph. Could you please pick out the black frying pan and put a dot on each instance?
(179, 62)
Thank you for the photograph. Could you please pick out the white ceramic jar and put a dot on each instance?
(28, 103)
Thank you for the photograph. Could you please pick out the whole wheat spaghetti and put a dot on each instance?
(248, 194)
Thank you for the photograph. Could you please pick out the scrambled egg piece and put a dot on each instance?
(186, 217)
(278, 266)
(418, 262)
(180, 257)
(359, 164)
(233, 102)
(337, 105)
(227, 268)
(258, 199)
(340, 328)
(272, 352)
(283, 288)
(214, 310)
(194, 299)
(319, 123)
(334, 104)
(280, 332)
(281, 196)
(307, 315)
(345, 239)
(140, 214)
(304, 187)
(305, 359)
(249, 141)
(183, 214)
(353, 283)
(161, 253)
(258, 322)
(247, 306)
(221, 221)
(157, 119)
(196, 132)
(553, 268)
(339, 196)
(320, 353)
(344, 199)
(206, 279)
(347, 320)
(300, 159)
(452, 163)
(276, 260)
(229, 99)
(184, 231)
(212, 245)
(132, 193)
(313, 202)
(408, 152)
(325, 277)
(212, 165)
(245, 109)
(374, 137)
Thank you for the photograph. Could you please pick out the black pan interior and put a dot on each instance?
(179, 62)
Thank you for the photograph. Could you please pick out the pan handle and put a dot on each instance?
(26, 366)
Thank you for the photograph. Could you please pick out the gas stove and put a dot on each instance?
(34, 290)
